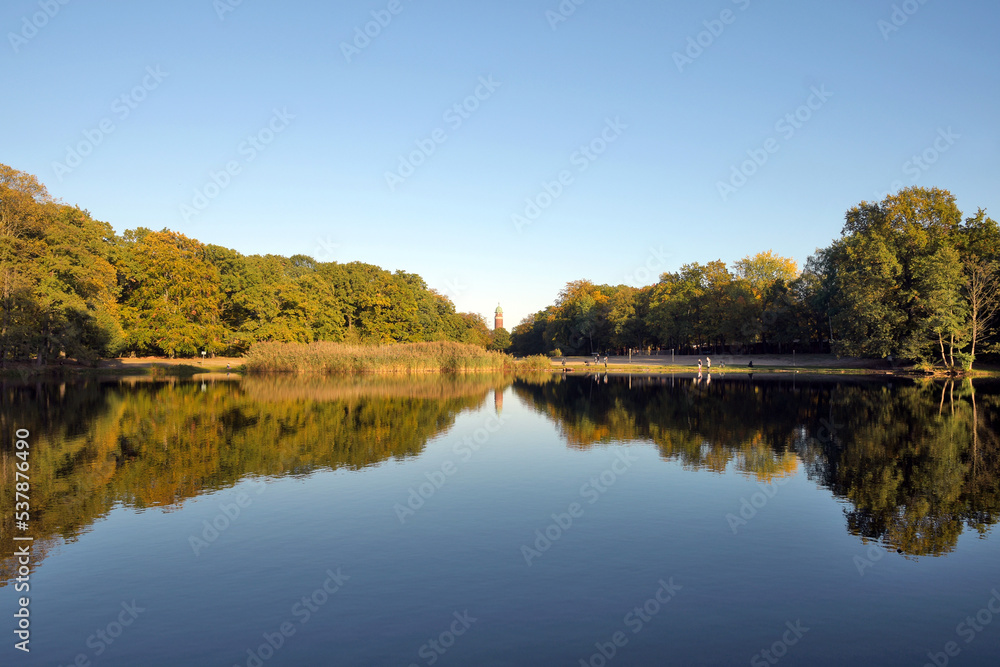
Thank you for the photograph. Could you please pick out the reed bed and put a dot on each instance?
(343, 358)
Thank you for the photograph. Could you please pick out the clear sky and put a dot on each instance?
(128, 109)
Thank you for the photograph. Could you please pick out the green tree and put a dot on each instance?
(938, 282)
(24, 214)
(500, 340)
(170, 295)
(982, 285)
(77, 292)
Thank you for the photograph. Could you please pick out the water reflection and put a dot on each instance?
(155, 443)
(918, 463)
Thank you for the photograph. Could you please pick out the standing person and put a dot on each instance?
(709, 360)
(699, 365)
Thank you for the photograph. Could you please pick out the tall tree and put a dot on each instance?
(982, 285)
(170, 294)
(24, 207)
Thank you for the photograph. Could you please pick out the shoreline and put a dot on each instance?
(813, 364)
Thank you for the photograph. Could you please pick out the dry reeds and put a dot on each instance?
(343, 358)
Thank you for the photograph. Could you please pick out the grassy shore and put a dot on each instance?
(124, 367)
(454, 357)
(340, 358)
(823, 364)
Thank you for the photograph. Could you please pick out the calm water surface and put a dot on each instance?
(484, 521)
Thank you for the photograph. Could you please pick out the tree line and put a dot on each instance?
(910, 278)
(71, 287)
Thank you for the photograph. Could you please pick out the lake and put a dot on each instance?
(556, 520)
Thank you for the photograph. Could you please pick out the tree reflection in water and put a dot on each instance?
(917, 461)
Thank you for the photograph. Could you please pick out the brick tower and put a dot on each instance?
(498, 318)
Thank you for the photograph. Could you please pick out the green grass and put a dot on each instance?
(342, 358)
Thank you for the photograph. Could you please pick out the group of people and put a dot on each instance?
(708, 360)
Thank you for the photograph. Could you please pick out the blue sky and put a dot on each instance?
(832, 99)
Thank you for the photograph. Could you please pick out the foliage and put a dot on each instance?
(69, 287)
(500, 341)
(908, 278)
(917, 463)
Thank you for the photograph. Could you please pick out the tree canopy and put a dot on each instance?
(909, 278)
(71, 287)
